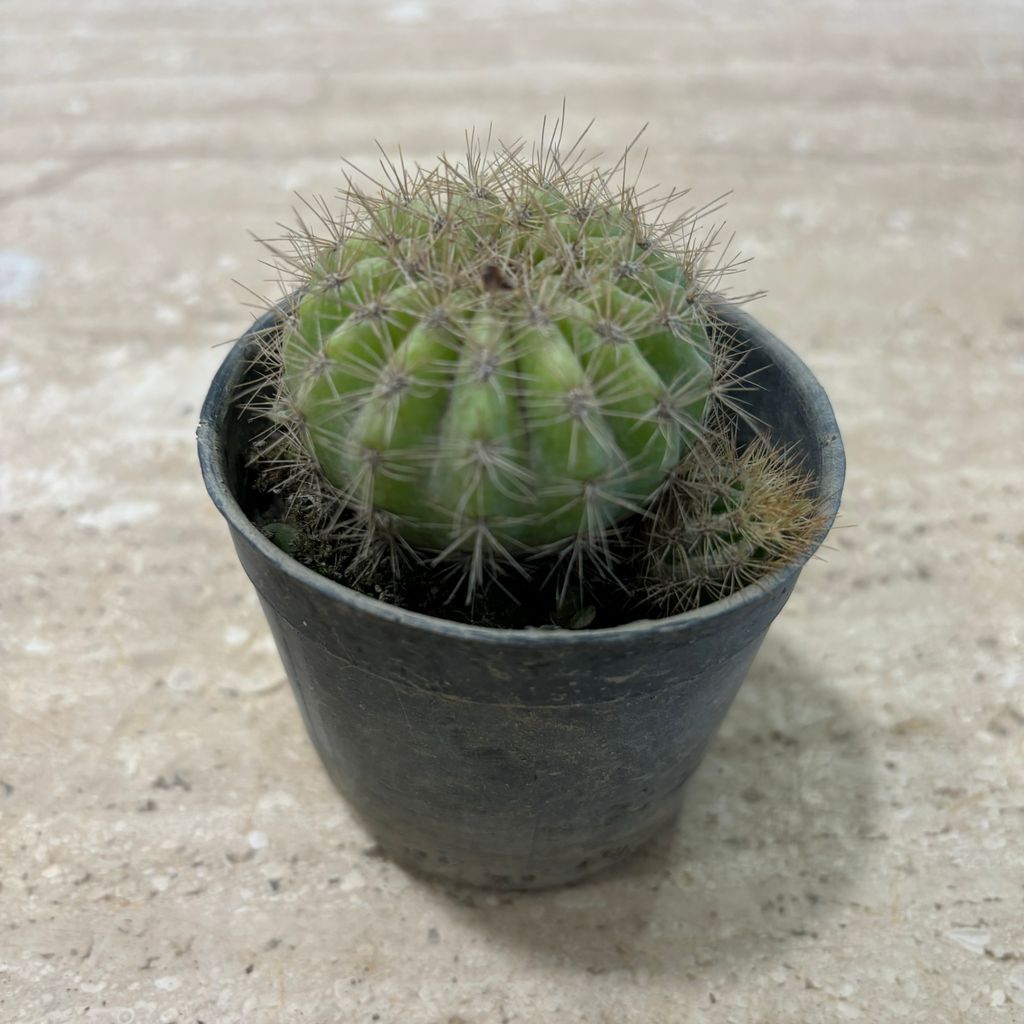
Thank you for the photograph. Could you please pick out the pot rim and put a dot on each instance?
(807, 388)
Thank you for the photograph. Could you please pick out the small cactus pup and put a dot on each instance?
(727, 516)
(491, 371)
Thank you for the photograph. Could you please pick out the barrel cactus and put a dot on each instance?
(493, 364)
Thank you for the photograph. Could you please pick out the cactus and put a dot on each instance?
(726, 518)
(494, 365)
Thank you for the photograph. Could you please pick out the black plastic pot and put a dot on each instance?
(512, 758)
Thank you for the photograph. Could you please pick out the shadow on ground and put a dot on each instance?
(775, 828)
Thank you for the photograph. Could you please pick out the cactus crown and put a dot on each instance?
(494, 363)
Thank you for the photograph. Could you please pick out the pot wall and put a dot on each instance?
(505, 763)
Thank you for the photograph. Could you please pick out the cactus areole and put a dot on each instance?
(494, 358)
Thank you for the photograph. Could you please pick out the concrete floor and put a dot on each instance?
(170, 849)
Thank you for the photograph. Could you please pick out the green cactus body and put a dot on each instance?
(493, 360)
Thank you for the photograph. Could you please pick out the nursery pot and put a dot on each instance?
(512, 758)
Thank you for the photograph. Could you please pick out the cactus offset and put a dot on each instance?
(726, 518)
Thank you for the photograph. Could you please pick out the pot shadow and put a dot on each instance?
(775, 828)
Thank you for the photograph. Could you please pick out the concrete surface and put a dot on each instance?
(170, 849)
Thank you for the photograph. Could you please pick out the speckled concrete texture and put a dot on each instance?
(170, 848)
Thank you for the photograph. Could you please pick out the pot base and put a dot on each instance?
(494, 871)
